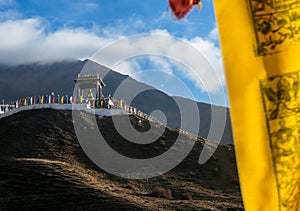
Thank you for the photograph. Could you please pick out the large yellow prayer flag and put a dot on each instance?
(260, 42)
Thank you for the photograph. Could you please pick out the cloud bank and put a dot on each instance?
(28, 40)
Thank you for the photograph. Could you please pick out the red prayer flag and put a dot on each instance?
(181, 8)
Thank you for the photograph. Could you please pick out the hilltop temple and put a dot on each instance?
(85, 86)
(87, 96)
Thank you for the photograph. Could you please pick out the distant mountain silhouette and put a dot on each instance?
(36, 79)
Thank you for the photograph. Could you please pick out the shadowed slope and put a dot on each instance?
(43, 166)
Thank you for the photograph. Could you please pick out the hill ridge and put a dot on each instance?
(43, 166)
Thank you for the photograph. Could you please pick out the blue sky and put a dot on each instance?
(47, 31)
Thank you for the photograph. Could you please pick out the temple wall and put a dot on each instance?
(82, 107)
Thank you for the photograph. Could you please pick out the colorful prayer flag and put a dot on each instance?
(260, 42)
(181, 8)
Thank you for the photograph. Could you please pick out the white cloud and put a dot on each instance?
(214, 35)
(129, 67)
(9, 15)
(138, 24)
(15, 34)
(201, 56)
(83, 6)
(160, 31)
(161, 64)
(121, 27)
(24, 41)
(7, 3)
(27, 40)
(92, 5)
(212, 54)
(165, 15)
(136, 69)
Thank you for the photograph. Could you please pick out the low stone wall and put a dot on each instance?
(79, 107)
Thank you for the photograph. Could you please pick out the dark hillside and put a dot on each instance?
(44, 167)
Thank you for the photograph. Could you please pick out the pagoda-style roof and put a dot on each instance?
(89, 81)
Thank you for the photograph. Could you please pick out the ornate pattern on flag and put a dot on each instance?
(282, 105)
(260, 41)
(277, 25)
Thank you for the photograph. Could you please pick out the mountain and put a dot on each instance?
(43, 167)
(36, 79)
